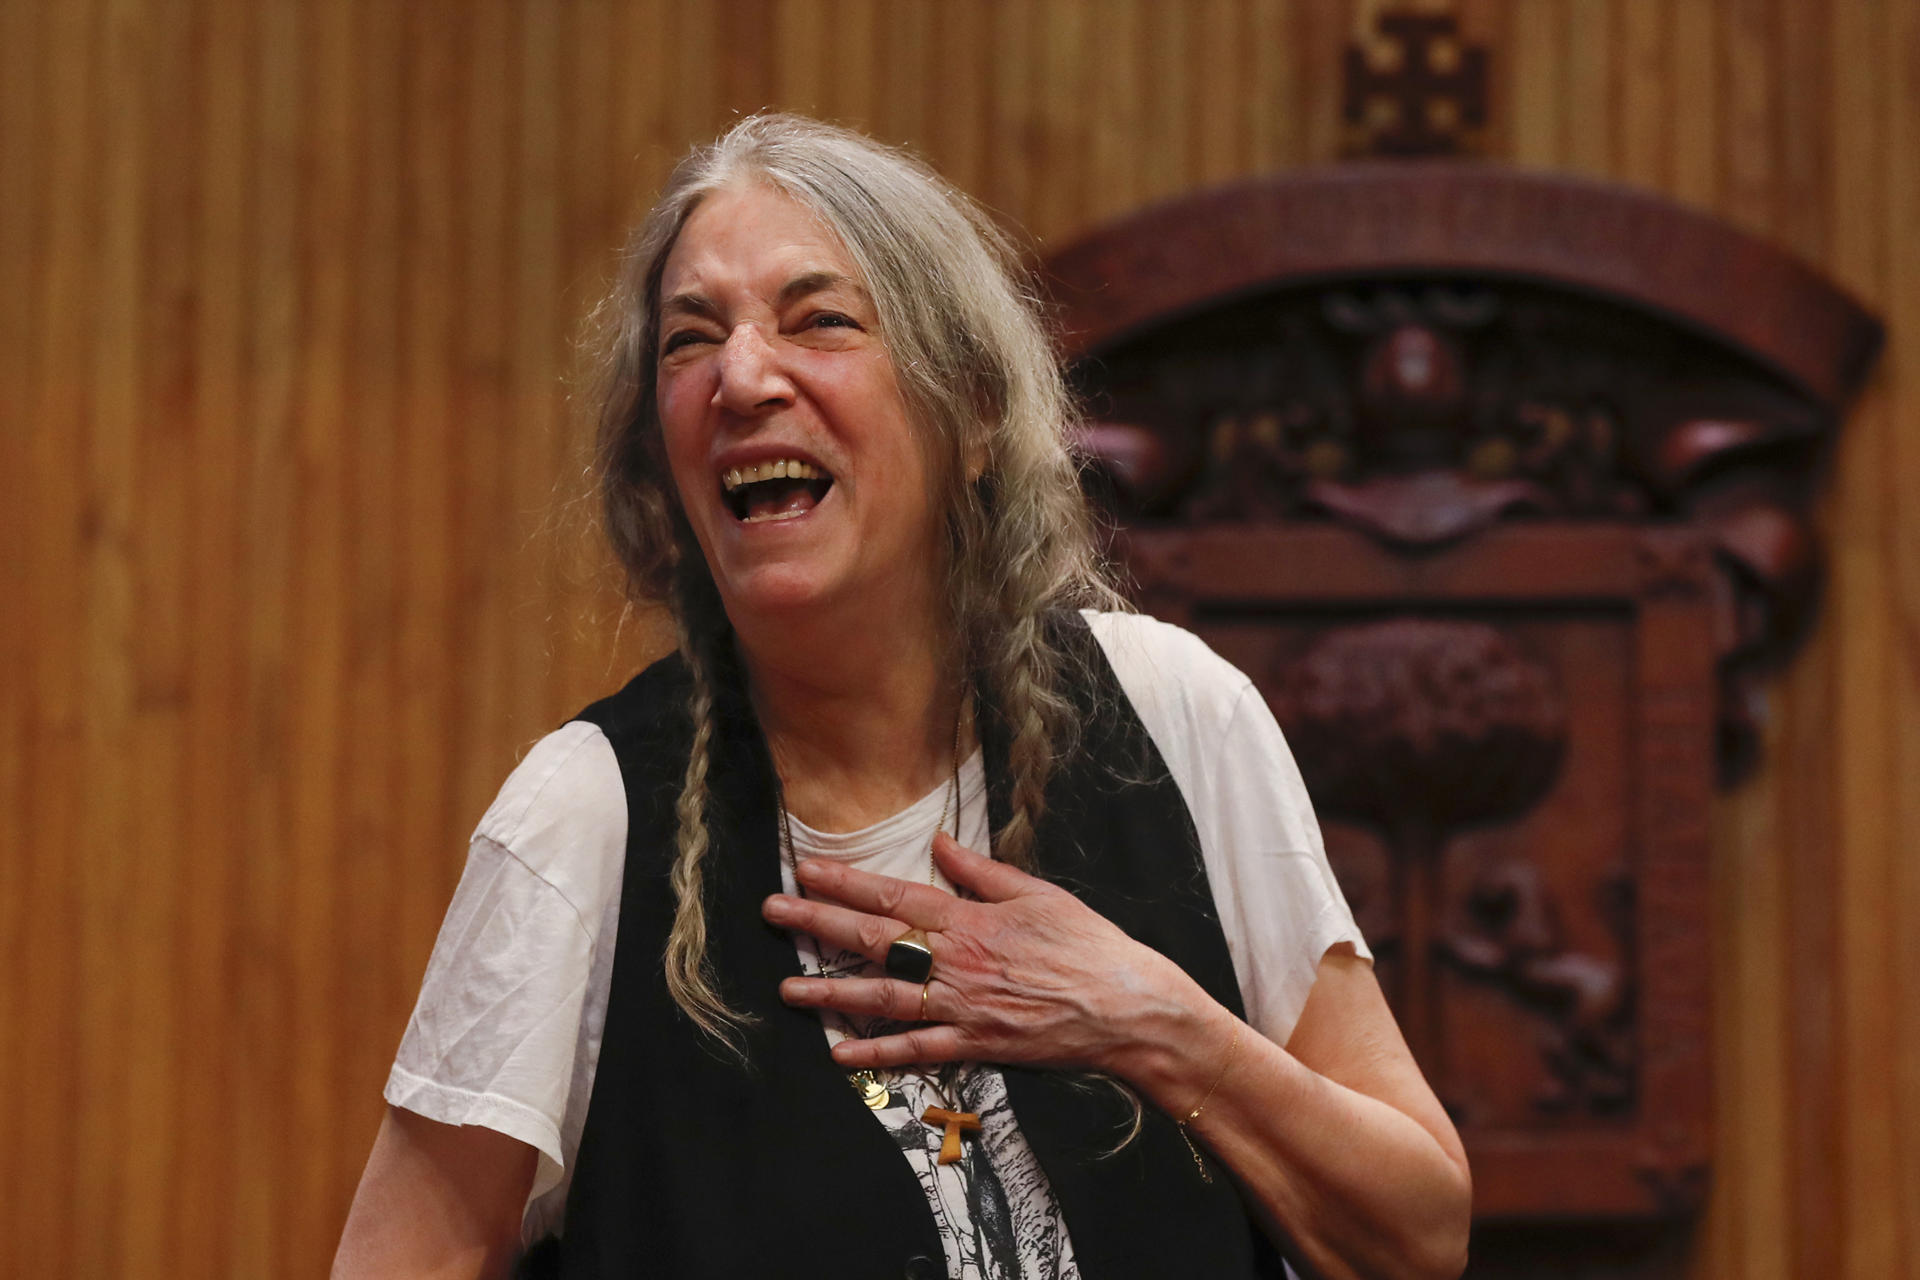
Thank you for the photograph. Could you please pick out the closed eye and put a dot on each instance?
(680, 338)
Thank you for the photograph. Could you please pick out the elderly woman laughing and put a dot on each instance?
(927, 913)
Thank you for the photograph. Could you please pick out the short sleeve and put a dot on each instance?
(507, 1018)
(1280, 906)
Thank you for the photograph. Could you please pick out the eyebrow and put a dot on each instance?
(698, 304)
(817, 282)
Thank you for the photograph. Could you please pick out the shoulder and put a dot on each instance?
(562, 816)
(1179, 687)
(510, 993)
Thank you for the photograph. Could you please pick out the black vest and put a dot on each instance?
(693, 1165)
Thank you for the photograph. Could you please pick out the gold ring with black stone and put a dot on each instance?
(910, 959)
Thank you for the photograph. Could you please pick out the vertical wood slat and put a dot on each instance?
(1862, 1117)
(170, 331)
(209, 1203)
(57, 1132)
(1643, 93)
(348, 103)
(315, 729)
(1588, 119)
(287, 319)
(273, 340)
(1692, 69)
(1535, 74)
(1897, 43)
(24, 1050)
(113, 367)
(1118, 105)
(379, 866)
(1060, 130)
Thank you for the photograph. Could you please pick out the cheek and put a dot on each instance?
(869, 400)
(678, 405)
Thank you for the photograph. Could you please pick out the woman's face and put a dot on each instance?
(787, 435)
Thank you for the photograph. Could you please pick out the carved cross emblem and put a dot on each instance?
(1415, 87)
(955, 1122)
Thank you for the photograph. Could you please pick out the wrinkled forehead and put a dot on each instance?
(754, 240)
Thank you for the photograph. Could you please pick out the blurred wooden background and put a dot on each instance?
(291, 555)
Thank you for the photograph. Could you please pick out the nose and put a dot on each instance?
(751, 380)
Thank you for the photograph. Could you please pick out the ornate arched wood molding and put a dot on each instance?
(1424, 349)
(1393, 219)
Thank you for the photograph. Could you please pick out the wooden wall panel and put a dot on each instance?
(294, 561)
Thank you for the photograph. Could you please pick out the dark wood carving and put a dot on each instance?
(1515, 806)
(1511, 932)
(1415, 88)
(1497, 485)
(1418, 727)
(1424, 350)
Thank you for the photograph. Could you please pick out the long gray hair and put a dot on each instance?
(980, 380)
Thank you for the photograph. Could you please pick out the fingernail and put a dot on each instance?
(778, 907)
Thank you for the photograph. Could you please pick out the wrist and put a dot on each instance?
(1176, 1047)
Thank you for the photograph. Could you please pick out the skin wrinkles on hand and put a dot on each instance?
(1028, 974)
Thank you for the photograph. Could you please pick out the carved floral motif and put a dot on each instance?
(1419, 727)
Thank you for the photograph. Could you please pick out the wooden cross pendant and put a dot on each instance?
(956, 1121)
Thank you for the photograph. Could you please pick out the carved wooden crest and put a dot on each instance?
(1498, 485)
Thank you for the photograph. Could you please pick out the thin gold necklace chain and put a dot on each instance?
(869, 1083)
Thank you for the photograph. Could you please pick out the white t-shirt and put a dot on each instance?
(507, 1030)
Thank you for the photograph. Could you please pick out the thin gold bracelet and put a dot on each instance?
(1225, 1062)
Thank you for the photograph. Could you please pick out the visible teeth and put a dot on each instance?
(778, 469)
(774, 515)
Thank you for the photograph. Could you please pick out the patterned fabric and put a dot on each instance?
(995, 1212)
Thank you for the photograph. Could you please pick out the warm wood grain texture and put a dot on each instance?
(293, 573)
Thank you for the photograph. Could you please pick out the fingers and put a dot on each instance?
(988, 880)
(920, 905)
(839, 927)
(938, 1042)
(866, 997)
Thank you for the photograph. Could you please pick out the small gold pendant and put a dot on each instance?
(871, 1089)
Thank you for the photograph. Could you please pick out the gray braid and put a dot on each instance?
(1039, 721)
(689, 972)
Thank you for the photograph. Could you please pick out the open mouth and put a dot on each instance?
(778, 489)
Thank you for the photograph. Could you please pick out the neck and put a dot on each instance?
(860, 719)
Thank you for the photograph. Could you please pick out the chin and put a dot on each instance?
(772, 590)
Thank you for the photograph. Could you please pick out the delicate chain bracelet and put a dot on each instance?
(1225, 1062)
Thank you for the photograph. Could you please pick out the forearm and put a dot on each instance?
(438, 1201)
(1356, 1187)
